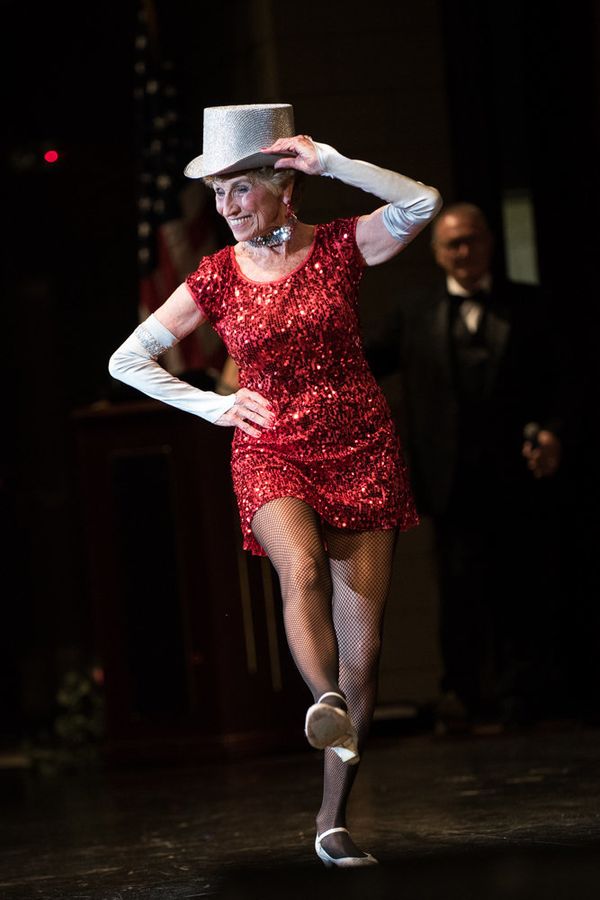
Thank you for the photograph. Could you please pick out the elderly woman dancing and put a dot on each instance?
(316, 463)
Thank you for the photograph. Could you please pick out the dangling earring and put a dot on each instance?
(290, 215)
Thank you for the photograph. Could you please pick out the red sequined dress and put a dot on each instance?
(296, 342)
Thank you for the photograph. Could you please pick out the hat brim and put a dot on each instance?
(197, 169)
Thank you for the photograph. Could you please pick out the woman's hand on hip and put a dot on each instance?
(248, 407)
(303, 154)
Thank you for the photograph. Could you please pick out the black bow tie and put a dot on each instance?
(477, 297)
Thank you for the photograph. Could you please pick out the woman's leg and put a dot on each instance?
(290, 532)
(360, 565)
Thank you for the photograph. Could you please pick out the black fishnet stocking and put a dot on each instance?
(290, 533)
(360, 565)
(334, 586)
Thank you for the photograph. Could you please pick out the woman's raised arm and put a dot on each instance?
(386, 231)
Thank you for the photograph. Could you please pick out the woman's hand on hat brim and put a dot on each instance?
(303, 154)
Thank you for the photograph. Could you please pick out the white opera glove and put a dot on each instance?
(135, 363)
(411, 204)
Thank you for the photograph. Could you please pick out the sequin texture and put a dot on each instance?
(297, 342)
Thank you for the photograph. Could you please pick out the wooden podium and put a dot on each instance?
(188, 626)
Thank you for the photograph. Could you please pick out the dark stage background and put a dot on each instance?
(479, 99)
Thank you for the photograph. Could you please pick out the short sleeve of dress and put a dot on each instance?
(196, 282)
(206, 283)
(341, 250)
(340, 235)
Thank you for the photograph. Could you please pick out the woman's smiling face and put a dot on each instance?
(249, 207)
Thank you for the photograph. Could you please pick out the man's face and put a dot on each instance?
(463, 247)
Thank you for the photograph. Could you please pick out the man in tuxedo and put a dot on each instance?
(479, 366)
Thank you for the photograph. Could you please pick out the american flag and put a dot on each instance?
(174, 228)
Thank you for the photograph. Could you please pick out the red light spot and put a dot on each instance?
(51, 156)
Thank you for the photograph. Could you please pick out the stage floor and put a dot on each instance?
(505, 816)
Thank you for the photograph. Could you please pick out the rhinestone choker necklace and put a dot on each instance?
(278, 235)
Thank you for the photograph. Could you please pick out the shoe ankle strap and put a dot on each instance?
(330, 831)
(332, 694)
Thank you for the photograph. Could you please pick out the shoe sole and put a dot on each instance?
(345, 862)
(325, 725)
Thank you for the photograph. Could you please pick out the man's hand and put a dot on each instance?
(543, 459)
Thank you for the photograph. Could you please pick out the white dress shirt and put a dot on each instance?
(470, 310)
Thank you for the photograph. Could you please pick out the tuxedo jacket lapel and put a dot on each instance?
(439, 339)
(497, 333)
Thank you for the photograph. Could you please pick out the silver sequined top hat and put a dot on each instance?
(233, 136)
